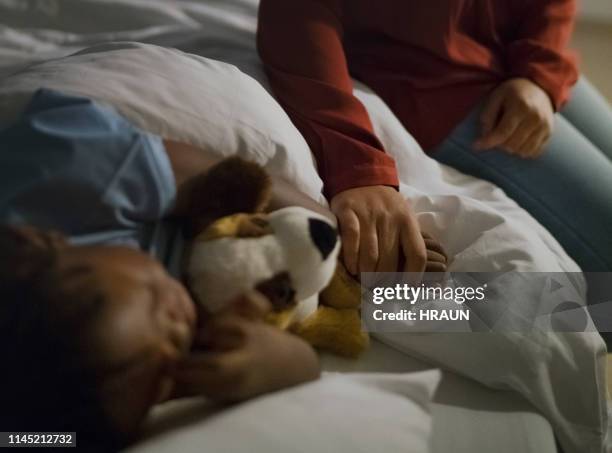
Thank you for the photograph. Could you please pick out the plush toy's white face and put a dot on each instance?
(302, 251)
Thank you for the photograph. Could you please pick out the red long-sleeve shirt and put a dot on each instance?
(430, 60)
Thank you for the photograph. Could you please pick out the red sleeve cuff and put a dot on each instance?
(361, 176)
(555, 73)
(558, 88)
(347, 158)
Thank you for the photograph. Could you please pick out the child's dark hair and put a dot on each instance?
(44, 385)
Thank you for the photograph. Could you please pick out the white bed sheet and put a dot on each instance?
(467, 415)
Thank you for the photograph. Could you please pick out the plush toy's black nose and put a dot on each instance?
(323, 235)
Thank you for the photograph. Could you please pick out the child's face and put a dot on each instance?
(145, 325)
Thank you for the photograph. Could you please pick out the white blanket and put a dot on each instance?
(561, 374)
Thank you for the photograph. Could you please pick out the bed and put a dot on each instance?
(463, 408)
(466, 416)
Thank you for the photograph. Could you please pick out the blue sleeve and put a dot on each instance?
(72, 165)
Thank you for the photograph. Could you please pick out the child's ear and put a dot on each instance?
(232, 186)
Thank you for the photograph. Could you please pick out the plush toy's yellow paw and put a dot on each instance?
(281, 319)
(334, 330)
(343, 291)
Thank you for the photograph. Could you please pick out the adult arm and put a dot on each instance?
(519, 113)
(540, 52)
(300, 43)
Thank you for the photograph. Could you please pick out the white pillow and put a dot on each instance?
(337, 414)
(178, 96)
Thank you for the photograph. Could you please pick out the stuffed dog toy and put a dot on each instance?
(289, 255)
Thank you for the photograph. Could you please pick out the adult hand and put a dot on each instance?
(517, 117)
(375, 221)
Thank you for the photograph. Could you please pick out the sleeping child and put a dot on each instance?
(96, 326)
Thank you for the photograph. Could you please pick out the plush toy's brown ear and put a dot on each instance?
(232, 186)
